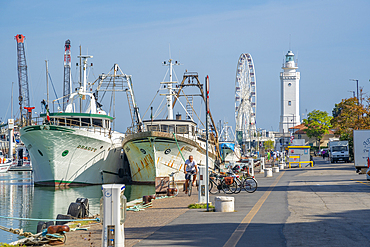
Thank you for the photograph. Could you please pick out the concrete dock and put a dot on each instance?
(324, 205)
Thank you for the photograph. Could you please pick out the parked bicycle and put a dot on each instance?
(217, 183)
(246, 181)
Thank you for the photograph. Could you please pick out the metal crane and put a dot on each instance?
(24, 100)
(67, 73)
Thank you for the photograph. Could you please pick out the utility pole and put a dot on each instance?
(207, 113)
(358, 102)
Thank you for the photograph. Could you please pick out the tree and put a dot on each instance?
(318, 124)
(269, 144)
(349, 115)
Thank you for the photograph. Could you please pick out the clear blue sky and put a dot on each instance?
(330, 39)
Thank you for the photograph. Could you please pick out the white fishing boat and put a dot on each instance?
(77, 148)
(4, 167)
(164, 144)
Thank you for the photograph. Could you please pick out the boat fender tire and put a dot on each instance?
(85, 206)
(63, 217)
(41, 225)
(75, 209)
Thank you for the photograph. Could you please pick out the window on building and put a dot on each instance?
(289, 102)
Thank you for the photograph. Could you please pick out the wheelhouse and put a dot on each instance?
(79, 120)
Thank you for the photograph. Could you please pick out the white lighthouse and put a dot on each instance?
(289, 91)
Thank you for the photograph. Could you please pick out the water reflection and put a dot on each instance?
(19, 198)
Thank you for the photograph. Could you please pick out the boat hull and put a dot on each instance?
(65, 156)
(155, 154)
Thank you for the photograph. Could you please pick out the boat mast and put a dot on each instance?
(80, 77)
(83, 80)
(169, 89)
(47, 83)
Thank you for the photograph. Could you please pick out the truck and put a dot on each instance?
(361, 146)
(338, 150)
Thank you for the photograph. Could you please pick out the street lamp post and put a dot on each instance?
(358, 101)
(357, 90)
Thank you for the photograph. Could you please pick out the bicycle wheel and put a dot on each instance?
(190, 186)
(233, 187)
(250, 185)
(240, 185)
(225, 187)
(213, 187)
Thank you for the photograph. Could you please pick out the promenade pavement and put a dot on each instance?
(324, 205)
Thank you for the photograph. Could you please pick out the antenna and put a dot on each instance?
(290, 37)
(169, 49)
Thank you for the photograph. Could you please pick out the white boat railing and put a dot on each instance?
(73, 123)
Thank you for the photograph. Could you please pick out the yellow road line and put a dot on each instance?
(368, 184)
(239, 231)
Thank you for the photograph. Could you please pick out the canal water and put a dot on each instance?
(20, 198)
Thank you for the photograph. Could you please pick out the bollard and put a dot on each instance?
(114, 210)
(202, 193)
(146, 199)
(224, 204)
(262, 164)
(275, 169)
(268, 172)
(281, 166)
(251, 167)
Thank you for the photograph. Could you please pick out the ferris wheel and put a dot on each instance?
(245, 99)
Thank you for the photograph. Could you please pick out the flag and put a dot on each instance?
(47, 113)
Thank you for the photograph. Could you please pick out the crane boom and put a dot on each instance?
(24, 100)
(67, 73)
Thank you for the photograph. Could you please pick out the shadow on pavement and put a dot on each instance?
(348, 228)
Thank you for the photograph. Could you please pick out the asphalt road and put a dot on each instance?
(324, 205)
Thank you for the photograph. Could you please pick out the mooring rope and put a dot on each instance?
(33, 219)
(178, 146)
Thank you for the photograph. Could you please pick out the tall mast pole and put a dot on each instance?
(169, 96)
(80, 77)
(47, 83)
(12, 102)
(114, 96)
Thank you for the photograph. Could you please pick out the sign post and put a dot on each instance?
(207, 113)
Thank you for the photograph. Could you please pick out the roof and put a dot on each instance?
(300, 129)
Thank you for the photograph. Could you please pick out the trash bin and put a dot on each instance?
(224, 204)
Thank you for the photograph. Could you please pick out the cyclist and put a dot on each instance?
(190, 167)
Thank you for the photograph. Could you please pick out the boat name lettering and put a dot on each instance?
(167, 151)
(86, 148)
(188, 149)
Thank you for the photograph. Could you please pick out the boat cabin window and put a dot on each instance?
(107, 124)
(153, 127)
(97, 122)
(73, 121)
(164, 128)
(85, 122)
(62, 121)
(182, 129)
